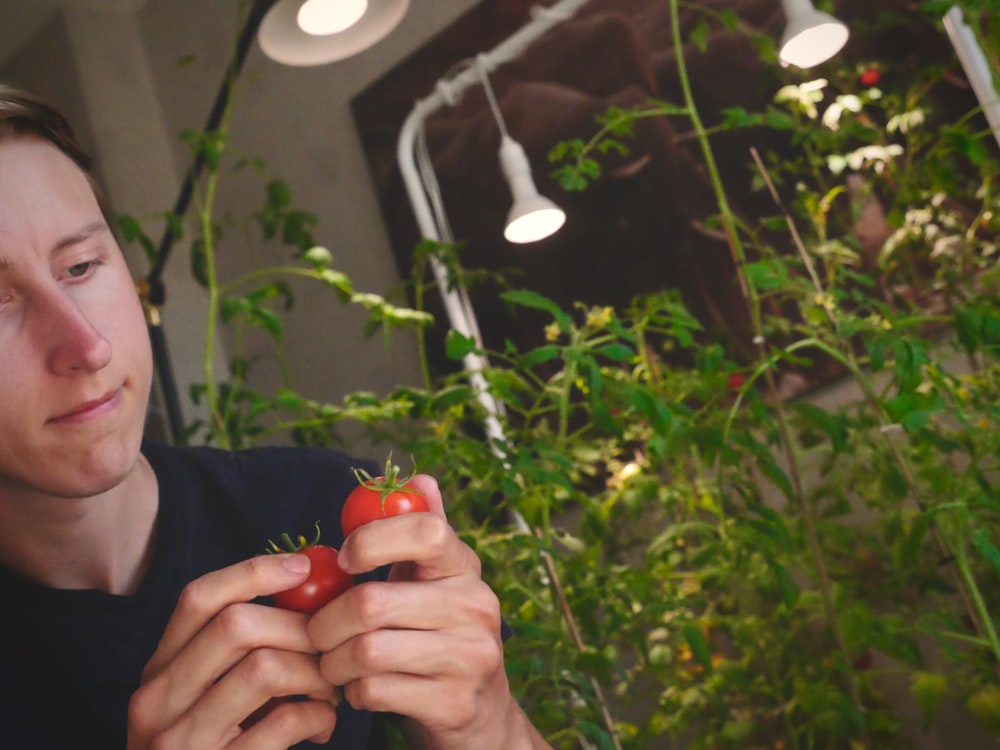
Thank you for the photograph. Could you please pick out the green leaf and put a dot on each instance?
(279, 195)
(912, 409)
(199, 262)
(730, 20)
(876, 354)
(834, 426)
(211, 148)
(539, 355)
(297, 229)
(911, 356)
(914, 540)
(699, 646)
(534, 300)
(786, 584)
(231, 307)
(985, 706)
(965, 144)
(776, 475)
(451, 396)
(617, 352)
(766, 275)
(267, 320)
(737, 117)
(457, 345)
(772, 525)
(699, 35)
(893, 482)
(290, 400)
(928, 688)
(982, 540)
(131, 231)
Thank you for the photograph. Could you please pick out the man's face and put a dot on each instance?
(75, 360)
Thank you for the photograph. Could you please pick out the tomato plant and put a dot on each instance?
(380, 497)
(326, 581)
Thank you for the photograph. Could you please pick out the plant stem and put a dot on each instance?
(566, 395)
(574, 632)
(218, 426)
(419, 273)
(753, 304)
(978, 602)
(963, 580)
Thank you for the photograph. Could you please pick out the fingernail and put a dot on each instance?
(297, 563)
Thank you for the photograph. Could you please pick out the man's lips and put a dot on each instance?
(90, 410)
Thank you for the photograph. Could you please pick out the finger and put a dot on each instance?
(205, 597)
(428, 487)
(439, 706)
(237, 698)
(438, 605)
(261, 675)
(465, 656)
(234, 633)
(288, 724)
(423, 539)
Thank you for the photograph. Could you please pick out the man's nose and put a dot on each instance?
(74, 344)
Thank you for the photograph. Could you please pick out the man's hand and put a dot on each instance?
(426, 644)
(222, 658)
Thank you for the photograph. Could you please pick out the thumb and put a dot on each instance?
(428, 486)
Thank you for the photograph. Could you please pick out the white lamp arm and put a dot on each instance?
(457, 306)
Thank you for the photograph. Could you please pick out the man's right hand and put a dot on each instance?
(221, 658)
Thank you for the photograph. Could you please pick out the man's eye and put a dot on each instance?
(80, 269)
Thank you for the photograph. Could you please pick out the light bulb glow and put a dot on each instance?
(535, 226)
(324, 17)
(814, 45)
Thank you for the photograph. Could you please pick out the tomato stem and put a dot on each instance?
(388, 483)
(292, 546)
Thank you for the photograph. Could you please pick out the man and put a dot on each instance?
(135, 611)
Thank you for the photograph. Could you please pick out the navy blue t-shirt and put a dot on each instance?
(72, 658)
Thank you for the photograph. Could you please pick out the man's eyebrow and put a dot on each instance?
(85, 233)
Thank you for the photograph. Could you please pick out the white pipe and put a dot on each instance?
(456, 301)
(976, 66)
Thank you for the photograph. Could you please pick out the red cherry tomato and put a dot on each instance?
(870, 77)
(374, 499)
(325, 583)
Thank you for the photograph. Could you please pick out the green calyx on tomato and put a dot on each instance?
(380, 497)
(326, 581)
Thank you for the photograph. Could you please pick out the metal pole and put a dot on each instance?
(454, 296)
(976, 66)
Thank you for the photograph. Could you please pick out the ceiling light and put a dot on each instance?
(811, 37)
(322, 17)
(315, 32)
(532, 217)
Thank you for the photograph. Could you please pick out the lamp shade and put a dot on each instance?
(532, 217)
(282, 38)
(811, 37)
